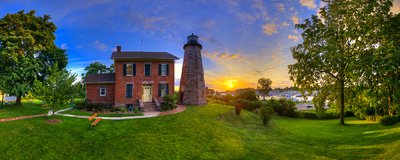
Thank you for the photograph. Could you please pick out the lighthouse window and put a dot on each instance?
(129, 70)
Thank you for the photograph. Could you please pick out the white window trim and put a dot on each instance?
(105, 92)
(127, 70)
(165, 65)
(145, 70)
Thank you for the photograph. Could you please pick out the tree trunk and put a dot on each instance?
(53, 114)
(264, 97)
(18, 101)
(341, 102)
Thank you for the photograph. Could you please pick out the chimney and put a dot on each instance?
(118, 48)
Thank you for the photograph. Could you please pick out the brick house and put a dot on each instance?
(140, 79)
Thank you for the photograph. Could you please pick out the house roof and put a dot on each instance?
(142, 55)
(100, 78)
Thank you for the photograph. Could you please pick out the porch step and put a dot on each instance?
(149, 107)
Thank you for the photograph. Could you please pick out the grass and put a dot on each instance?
(28, 107)
(82, 113)
(197, 133)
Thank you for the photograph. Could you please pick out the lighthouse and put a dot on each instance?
(192, 90)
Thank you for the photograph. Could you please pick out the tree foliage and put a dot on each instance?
(264, 86)
(57, 90)
(332, 50)
(247, 94)
(97, 67)
(26, 48)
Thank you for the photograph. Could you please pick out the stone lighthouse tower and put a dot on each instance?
(192, 89)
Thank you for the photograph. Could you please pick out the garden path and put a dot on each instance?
(180, 108)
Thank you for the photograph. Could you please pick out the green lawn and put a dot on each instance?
(197, 133)
(27, 108)
(81, 113)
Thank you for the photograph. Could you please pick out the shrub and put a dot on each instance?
(99, 107)
(374, 118)
(89, 106)
(238, 108)
(390, 120)
(168, 99)
(283, 107)
(123, 109)
(266, 112)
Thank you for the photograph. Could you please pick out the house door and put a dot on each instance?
(146, 94)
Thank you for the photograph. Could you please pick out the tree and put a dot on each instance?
(56, 90)
(26, 48)
(210, 92)
(97, 67)
(328, 56)
(264, 86)
(247, 93)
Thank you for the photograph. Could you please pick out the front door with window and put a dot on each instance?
(146, 94)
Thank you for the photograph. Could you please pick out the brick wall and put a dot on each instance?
(93, 92)
(140, 79)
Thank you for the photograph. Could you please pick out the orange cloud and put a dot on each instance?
(222, 55)
(232, 56)
(270, 28)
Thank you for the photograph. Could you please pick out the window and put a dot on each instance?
(147, 70)
(163, 90)
(102, 91)
(129, 70)
(163, 69)
(129, 90)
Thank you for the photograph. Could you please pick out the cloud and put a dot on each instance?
(280, 52)
(258, 4)
(293, 37)
(64, 46)
(178, 69)
(285, 24)
(241, 60)
(255, 72)
(211, 40)
(232, 56)
(100, 46)
(295, 19)
(280, 7)
(207, 54)
(295, 31)
(80, 46)
(276, 59)
(222, 55)
(270, 28)
(310, 4)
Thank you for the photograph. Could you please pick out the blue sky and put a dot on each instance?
(242, 40)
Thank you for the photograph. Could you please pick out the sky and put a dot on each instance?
(243, 40)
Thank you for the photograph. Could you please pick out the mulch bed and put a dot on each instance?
(51, 121)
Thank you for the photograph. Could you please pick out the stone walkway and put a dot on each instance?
(180, 108)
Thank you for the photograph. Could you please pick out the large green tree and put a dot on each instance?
(264, 86)
(97, 67)
(331, 49)
(26, 48)
(377, 87)
(57, 90)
